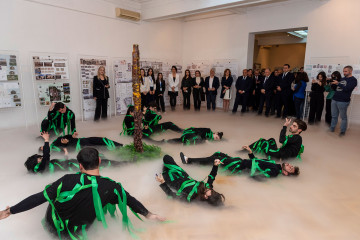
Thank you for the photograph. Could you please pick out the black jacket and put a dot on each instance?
(216, 84)
(284, 82)
(225, 82)
(99, 89)
(244, 85)
(160, 90)
(268, 85)
(187, 82)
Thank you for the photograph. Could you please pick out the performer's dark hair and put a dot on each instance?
(31, 162)
(152, 104)
(89, 158)
(220, 134)
(58, 106)
(301, 124)
(296, 172)
(215, 199)
(130, 109)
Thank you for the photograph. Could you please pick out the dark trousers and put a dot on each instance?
(101, 109)
(316, 107)
(211, 100)
(291, 105)
(283, 101)
(257, 99)
(144, 101)
(274, 102)
(173, 96)
(299, 106)
(265, 98)
(150, 98)
(186, 100)
(160, 103)
(328, 111)
(241, 99)
(197, 99)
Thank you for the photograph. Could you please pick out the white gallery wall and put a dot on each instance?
(36, 28)
(89, 27)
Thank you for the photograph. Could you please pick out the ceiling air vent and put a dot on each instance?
(127, 14)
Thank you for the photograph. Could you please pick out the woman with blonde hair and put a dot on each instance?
(101, 93)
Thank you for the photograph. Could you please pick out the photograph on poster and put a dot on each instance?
(122, 71)
(48, 67)
(10, 95)
(8, 68)
(88, 69)
(53, 92)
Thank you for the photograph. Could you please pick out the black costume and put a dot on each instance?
(78, 143)
(101, 93)
(151, 124)
(236, 165)
(56, 121)
(291, 146)
(47, 165)
(75, 200)
(316, 102)
(193, 136)
(186, 187)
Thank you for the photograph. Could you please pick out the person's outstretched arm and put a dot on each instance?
(213, 173)
(283, 130)
(46, 152)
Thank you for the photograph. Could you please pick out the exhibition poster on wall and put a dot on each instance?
(53, 92)
(8, 68)
(88, 69)
(124, 97)
(122, 71)
(9, 85)
(51, 67)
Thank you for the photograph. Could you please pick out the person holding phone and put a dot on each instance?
(101, 93)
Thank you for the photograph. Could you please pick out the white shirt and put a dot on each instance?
(198, 79)
(211, 79)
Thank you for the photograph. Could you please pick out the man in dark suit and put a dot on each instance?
(266, 92)
(243, 90)
(258, 80)
(212, 84)
(284, 90)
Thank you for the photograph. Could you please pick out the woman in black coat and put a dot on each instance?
(159, 92)
(101, 93)
(198, 85)
(226, 83)
(317, 98)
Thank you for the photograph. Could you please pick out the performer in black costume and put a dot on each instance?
(196, 136)
(188, 189)
(42, 163)
(58, 118)
(76, 200)
(72, 142)
(151, 122)
(236, 165)
(291, 144)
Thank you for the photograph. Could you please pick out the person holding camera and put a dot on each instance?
(331, 91)
(317, 98)
(341, 99)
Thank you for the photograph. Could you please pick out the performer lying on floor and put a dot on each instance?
(151, 122)
(196, 136)
(76, 200)
(236, 165)
(42, 163)
(58, 118)
(72, 142)
(188, 189)
(291, 144)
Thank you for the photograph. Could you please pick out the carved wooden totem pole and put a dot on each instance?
(136, 78)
